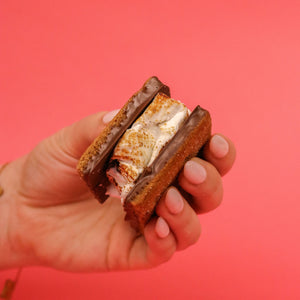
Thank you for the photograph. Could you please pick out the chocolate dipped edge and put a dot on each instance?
(167, 152)
(94, 174)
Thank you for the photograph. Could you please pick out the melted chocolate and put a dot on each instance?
(95, 173)
(167, 152)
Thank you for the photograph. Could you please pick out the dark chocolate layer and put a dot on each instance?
(168, 151)
(95, 172)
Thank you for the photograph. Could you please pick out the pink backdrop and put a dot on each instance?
(63, 60)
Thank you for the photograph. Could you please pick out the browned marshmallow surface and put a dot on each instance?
(141, 144)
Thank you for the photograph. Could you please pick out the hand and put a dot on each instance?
(55, 221)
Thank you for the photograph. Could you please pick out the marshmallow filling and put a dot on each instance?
(142, 143)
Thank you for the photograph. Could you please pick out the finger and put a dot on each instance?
(180, 217)
(203, 183)
(75, 138)
(151, 249)
(221, 152)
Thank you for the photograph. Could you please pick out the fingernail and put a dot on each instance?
(162, 228)
(219, 146)
(174, 201)
(194, 172)
(109, 116)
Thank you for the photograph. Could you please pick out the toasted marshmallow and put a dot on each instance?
(142, 143)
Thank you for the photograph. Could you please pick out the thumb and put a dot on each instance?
(78, 136)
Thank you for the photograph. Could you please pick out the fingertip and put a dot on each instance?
(205, 195)
(220, 151)
(185, 225)
(162, 228)
(194, 172)
(174, 201)
(160, 240)
(218, 146)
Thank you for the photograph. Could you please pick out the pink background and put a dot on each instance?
(63, 60)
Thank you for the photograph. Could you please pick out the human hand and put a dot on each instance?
(55, 221)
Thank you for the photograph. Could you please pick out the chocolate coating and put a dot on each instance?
(94, 174)
(168, 151)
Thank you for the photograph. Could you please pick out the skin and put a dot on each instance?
(48, 217)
